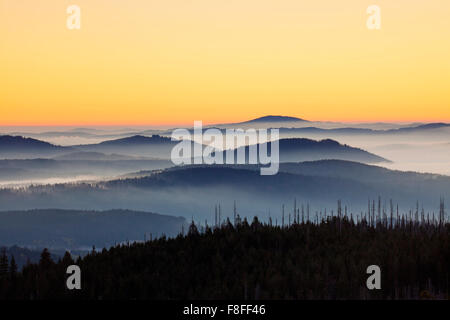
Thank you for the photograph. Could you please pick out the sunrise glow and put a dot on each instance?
(171, 62)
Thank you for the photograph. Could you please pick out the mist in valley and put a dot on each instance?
(86, 169)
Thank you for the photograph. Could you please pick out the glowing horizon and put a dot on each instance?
(154, 63)
(212, 123)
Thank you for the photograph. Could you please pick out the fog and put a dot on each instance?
(407, 153)
(193, 192)
(424, 150)
(29, 182)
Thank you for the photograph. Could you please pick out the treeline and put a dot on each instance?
(241, 260)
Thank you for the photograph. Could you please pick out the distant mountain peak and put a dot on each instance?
(272, 118)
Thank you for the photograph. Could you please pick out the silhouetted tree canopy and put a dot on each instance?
(303, 260)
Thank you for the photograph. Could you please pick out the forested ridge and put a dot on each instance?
(325, 259)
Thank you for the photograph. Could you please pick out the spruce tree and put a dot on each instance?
(3, 263)
(13, 267)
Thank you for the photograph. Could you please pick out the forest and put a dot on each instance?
(300, 257)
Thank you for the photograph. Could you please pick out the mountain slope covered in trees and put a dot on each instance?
(301, 149)
(76, 229)
(19, 147)
(326, 260)
(195, 190)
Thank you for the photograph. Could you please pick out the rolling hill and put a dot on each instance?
(194, 191)
(301, 149)
(93, 156)
(429, 128)
(20, 147)
(275, 119)
(72, 165)
(76, 229)
(155, 146)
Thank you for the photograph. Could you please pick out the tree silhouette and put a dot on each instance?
(325, 258)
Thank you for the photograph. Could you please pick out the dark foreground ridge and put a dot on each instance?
(303, 260)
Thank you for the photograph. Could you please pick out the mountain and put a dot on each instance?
(300, 149)
(92, 156)
(368, 174)
(194, 191)
(430, 127)
(18, 142)
(275, 119)
(155, 146)
(75, 229)
(424, 127)
(20, 147)
(73, 167)
(137, 140)
(327, 132)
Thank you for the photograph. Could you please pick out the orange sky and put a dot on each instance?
(176, 61)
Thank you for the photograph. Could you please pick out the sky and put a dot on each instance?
(143, 62)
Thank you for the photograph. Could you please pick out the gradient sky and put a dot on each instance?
(175, 61)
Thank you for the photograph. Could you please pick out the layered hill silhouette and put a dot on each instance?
(294, 149)
(79, 165)
(121, 156)
(193, 191)
(301, 149)
(287, 124)
(137, 140)
(76, 229)
(275, 119)
(20, 147)
(158, 147)
(429, 128)
(93, 156)
(155, 146)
